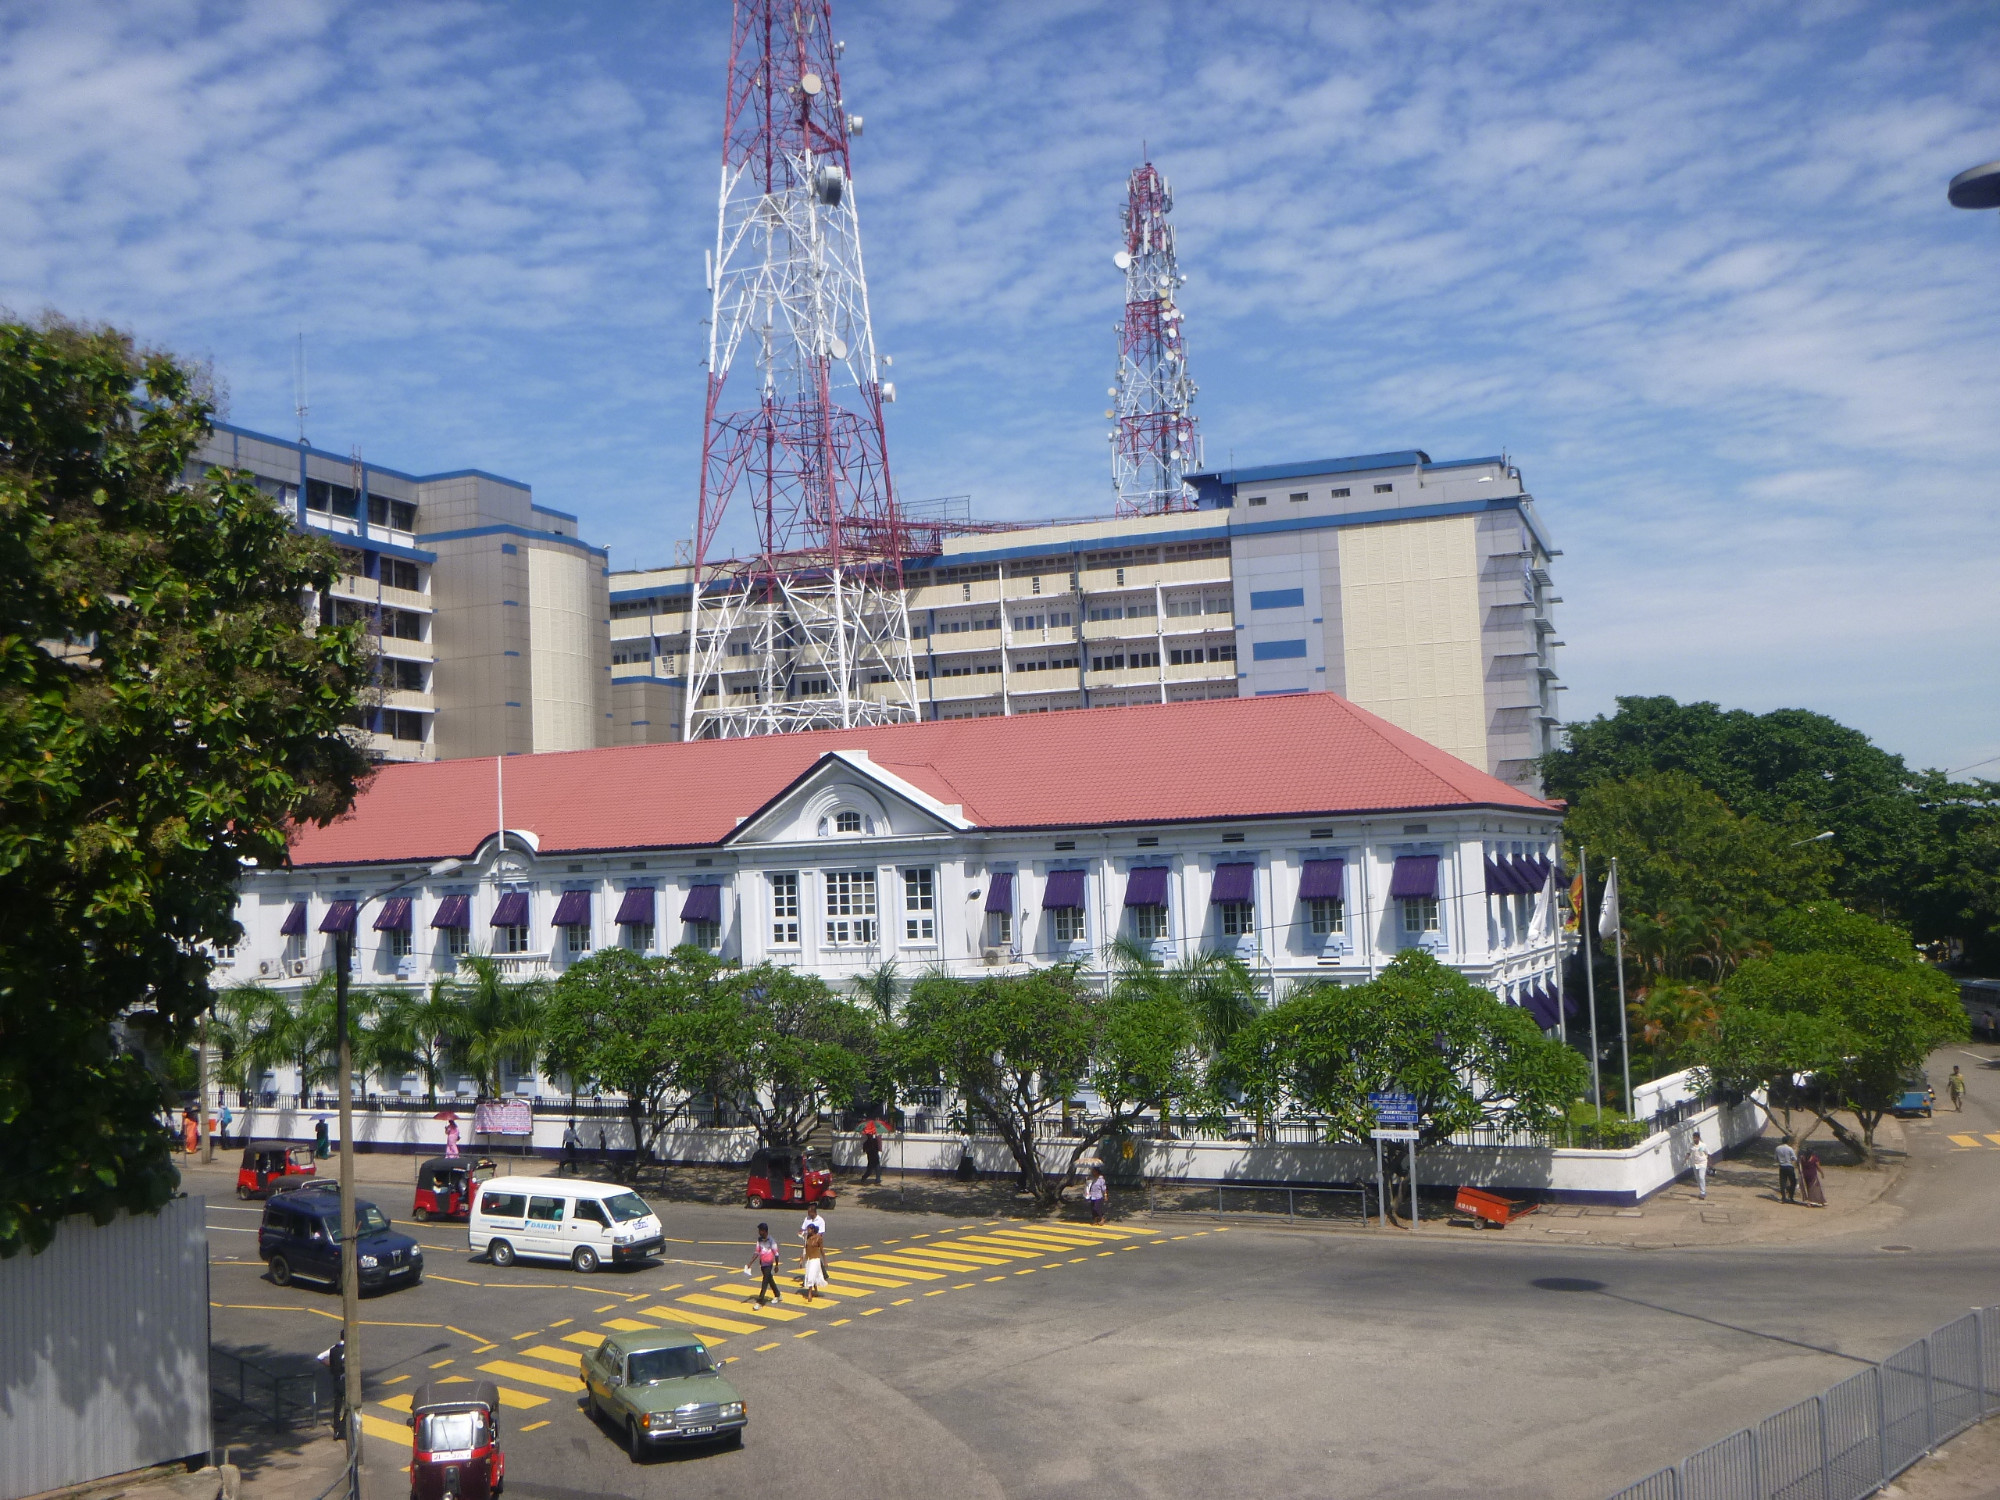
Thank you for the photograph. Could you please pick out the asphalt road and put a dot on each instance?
(1178, 1358)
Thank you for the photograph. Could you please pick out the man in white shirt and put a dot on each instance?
(1698, 1159)
(1788, 1170)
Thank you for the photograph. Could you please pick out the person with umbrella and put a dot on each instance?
(450, 1130)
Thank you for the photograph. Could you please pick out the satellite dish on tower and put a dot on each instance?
(838, 347)
(810, 84)
(1122, 261)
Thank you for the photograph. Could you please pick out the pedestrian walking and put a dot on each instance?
(814, 1272)
(228, 1119)
(1788, 1171)
(603, 1147)
(190, 1131)
(1955, 1086)
(320, 1147)
(570, 1143)
(1815, 1187)
(451, 1137)
(1698, 1159)
(765, 1259)
(871, 1148)
(335, 1360)
(1095, 1193)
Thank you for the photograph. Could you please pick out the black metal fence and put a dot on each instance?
(278, 1400)
(1851, 1440)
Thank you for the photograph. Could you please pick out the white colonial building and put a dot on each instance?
(1307, 836)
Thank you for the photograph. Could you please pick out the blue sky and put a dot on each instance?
(1690, 265)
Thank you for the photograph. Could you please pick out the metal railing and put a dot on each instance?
(1851, 1440)
(280, 1400)
(1314, 1204)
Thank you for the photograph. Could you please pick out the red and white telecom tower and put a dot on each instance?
(811, 631)
(1154, 443)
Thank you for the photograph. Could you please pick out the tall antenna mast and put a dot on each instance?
(1154, 443)
(811, 631)
(299, 385)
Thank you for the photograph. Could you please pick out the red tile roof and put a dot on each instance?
(1305, 754)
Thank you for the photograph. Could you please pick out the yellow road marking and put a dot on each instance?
(762, 1347)
(454, 1280)
(564, 1357)
(901, 1300)
(1054, 1265)
(1029, 1272)
(453, 1380)
(1079, 1260)
(937, 1291)
(398, 1403)
(484, 1347)
(1102, 1253)
(888, 1267)
(674, 1288)
(807, 1334)
(442, 1363)
(531, 1333)
(938, 1260)
(1180, 1236)
(870, 1312)
(393, 1432)
(629, 1325)
(708, 1278)
(533, 1425)
(849, 1277)
(562, 1322)
(520, 1400)
(962, 1286)
(840, 1322)
(1995, 1139)
(703, 1320)
(996, 1252)
(996, 1278)
(724, 1304)
(1967, 1141)
(532, 1375)
(586, 1339)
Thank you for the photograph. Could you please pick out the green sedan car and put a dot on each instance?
(660, 1387)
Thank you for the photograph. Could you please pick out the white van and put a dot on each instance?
(549, 1218)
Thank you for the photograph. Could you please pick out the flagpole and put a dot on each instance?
(1589, 980)
(1555, 924)
(1624, 1025)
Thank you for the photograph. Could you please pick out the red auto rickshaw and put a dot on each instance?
(445, 1185)
(455, 1442)
(785, 1175)
(271, 1167)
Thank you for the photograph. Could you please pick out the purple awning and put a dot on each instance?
(1543, 1006)
(1063, 891)
(1232, 883)
(1501, 879)
(1322, 879)
(1416, 875)
(573, 910)
(1538, 871)
(454, 911)
(1146, 886)
(394, 915)
(294, 924)
(1000, 891)
(636, 910)
(339, 917)
(512, 910)
(703, 904)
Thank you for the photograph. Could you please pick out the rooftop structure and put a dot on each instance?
(1154, 443)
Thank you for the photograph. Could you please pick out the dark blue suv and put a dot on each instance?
(300, 1236)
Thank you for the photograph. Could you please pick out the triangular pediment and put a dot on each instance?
(845, 795)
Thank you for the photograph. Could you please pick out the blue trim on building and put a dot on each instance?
(1278, 599)
(1277, 650)
(505, 528)
(550, 510)
(679, 682)
(348, 459)
(370, 544)
(1406, 458)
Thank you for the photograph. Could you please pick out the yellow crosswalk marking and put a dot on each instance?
(908, 1273)
(703, 1321)
(627, 1325)
(392, 1432)
(530, 1375)
(729, 1304)
(586, 1339)
(749, 1293)
(851, 1278)
(398, 1403)
(1001, 1249)
(532, 1426)
(1995, 1139)
(959, 1250)
(1970, 1142)
(520, 1400)
(564, 1357)
(932, 1260)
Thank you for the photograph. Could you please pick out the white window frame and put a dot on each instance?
(1420, 916)
(850, 908)
(785, 909)
(638, 936)
(706, 936)
(1238, 918)
(1326, 916)
(512, 940)
(1066, 925)
(398, 942)
(1149, 923)
(847, 820)
(999, 929)
(458, 941)
(920, 904)
(576, 939)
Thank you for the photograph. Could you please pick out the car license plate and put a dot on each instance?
(698, 1431)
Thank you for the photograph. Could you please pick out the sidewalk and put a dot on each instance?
(1966, 1468)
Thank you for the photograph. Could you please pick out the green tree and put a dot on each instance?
(502, 1023)
(652, 1029)
(267, 1030)
(1698, 884)
(1421, 1028)
(166, 710)
(416, 1033)
(791, 1049)
(1016, 1046)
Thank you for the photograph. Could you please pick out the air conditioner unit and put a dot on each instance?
(298, 968)
(991, 955)
(264, 967)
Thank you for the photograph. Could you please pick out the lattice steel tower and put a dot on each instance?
(1154, 443)
(810, 632)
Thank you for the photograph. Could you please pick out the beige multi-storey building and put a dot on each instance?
(1419, 590)
(489, 610)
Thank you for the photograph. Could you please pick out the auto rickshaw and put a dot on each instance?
(785, 1175)
(273, 1167)
(455, 1442)
(444, 1187)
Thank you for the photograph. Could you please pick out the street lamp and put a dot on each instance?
(1976, 187)
(350, 1263)
(1816, 838)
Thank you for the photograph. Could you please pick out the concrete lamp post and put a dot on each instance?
(350, 1253)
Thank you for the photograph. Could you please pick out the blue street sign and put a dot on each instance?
(1394, 1108)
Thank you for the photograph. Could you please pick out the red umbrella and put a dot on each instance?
(445, 1114)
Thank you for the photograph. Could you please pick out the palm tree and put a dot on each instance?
(502, 1023)
(418, 1033)
(268, 1030)
(1217, 990)
(878, 987)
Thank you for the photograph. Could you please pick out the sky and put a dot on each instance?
(1690, 266)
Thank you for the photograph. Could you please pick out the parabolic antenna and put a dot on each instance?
(1976, 187)
(810, 83)
(1122, 261)
(838, 347)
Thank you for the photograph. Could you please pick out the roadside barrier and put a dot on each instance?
(1851, 1440)
(280, 1400)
